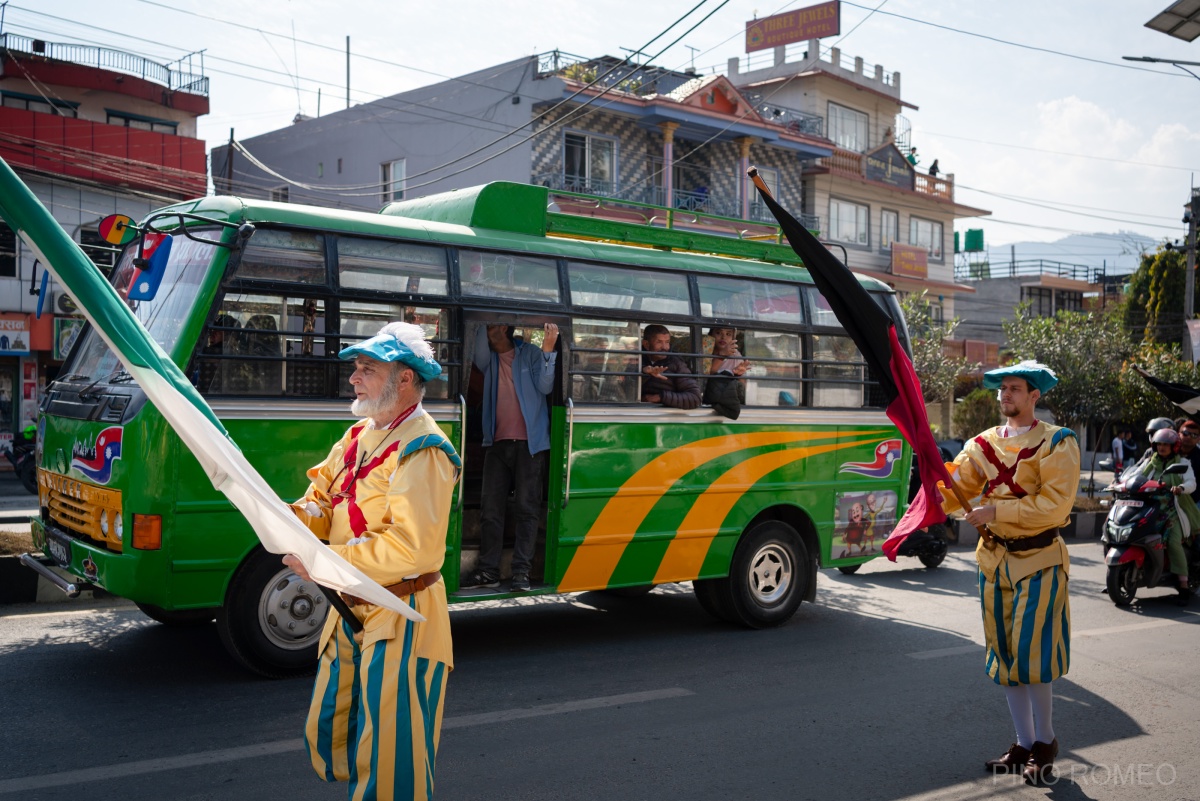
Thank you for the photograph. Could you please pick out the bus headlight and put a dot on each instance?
(118, 527)
(104, 522)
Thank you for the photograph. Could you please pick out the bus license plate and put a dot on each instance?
(1125, 502)
(59, 547)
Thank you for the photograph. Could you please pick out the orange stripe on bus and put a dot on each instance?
(602, 547)
(686, 553)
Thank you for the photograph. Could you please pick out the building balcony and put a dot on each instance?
(853, 163)
(1029, 268)
(105, 59)
(113, 155)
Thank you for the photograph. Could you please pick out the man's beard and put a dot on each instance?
(366, 407)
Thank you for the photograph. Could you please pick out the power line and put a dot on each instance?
(1063, 153)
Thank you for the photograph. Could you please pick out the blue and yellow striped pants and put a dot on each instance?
(376, 717)
(1027, 626)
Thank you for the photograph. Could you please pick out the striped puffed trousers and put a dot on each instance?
(1027, 626)
(376, 717)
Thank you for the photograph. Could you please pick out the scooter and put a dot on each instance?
(24, 459)
(1134, 537)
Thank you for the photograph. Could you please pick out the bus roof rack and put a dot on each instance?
(539, 211)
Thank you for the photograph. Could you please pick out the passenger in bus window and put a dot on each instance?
(517, 377)
(725, 389)
(679, 391)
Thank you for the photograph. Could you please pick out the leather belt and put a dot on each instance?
(1041, 540)
(404, 588)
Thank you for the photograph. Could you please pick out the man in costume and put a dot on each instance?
(382, 501)
(1027, 473)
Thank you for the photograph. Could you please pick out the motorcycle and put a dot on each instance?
(23, 456)
(1134, 537)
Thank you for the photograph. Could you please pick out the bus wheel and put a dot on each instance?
(769, 575)
(178, 617)
(271, 621)
(714, 597)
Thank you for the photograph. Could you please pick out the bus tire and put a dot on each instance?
(272, 619)
(714, 597)
(178, 617)
(769, 575)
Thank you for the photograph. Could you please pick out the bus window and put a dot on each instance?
(818, 309)
(508, 275)
(836, 376)
(391, 266)
(628, 290)
(774, 375)
(293, 256)
(738, 299)
(361, 320)
(604, 361)
(246, 347)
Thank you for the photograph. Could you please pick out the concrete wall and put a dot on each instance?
(427, 127)
(982, 312)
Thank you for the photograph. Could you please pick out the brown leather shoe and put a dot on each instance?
(1012, 761)
(1040, 767)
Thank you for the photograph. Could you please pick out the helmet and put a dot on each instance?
(1158, 424)
(1165, 436)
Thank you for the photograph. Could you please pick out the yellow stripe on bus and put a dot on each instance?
(602, 546)
(686, 553)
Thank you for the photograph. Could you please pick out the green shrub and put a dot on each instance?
(977, 412)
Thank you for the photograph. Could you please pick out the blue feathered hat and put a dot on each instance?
(1039, 376)
(398, 342)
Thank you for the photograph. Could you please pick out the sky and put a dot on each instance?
(1027, 102)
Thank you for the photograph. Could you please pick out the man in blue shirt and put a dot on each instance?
(517, 377)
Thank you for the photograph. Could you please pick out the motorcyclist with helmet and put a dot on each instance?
(1181, 510)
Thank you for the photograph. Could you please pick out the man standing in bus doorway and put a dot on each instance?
(517, 377)
(382, 500)
(1028, 475)
(680, 391)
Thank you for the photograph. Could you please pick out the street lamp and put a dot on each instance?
(1173, 61)
(1181, 19)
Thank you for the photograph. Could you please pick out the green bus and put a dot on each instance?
(258, 298)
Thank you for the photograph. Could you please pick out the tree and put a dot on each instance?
(936, 370)
(1086, 350)
(978, 411)
(1140, 402)
(1155, 305)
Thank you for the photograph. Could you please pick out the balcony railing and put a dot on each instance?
(850, 162)
(1029, 267)
(800, 122)
(106, 59)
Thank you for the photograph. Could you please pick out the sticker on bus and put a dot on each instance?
(887, 453)
(96, 460)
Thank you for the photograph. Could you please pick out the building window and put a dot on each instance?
(8, 252)
(127, 120)
(589, 164)
(45, 105)
(102, 254)
(1041, 300)
(848, 222)
(889, 228)
(758, 209)
(279, 194)
(391, 176)
(926, 234)
(339, 166)
(848, 128)
(1066, 300)
(320, 169)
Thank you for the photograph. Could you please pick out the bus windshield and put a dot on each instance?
(163, 316)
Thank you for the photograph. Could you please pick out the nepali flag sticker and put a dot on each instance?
(887, 453)
(95, 461)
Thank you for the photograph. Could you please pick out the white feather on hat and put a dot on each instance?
(412, 337)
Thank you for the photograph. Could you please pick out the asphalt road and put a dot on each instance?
(876, 691)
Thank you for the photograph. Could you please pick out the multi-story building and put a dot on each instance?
(826, 134)
(93, 132)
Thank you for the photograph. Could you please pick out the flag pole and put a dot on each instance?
(761, 185)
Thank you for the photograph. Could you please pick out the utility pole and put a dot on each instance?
(347, 72)
(1190, 279)
(229, 165)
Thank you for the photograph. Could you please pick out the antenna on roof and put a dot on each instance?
(692, 69)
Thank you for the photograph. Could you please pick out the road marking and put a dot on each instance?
(108, 772)
(967, 649)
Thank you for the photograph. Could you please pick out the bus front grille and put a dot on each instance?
(82, 508)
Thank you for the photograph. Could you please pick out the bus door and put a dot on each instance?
(526, 330)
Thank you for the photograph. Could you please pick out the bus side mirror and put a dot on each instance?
(150, 274)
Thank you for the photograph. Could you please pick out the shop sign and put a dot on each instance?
(14, 335)
(887, 165)
(910, 261)
(66, 329)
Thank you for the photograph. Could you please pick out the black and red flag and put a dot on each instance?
(1183, 396)
(874, 332)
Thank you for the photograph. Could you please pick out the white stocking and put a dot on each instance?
(1020, 706)
(1042, 698)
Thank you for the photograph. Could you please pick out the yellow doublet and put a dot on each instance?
(1047, 470)
(406, 507)
(376, 713)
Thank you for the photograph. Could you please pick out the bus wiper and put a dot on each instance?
(87, 391)
(72, 377)
(121, 377)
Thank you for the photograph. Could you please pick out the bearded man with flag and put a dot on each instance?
(1027, 475)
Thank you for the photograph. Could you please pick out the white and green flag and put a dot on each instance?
(177, 400)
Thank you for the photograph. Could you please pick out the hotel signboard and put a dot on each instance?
(814, 22)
